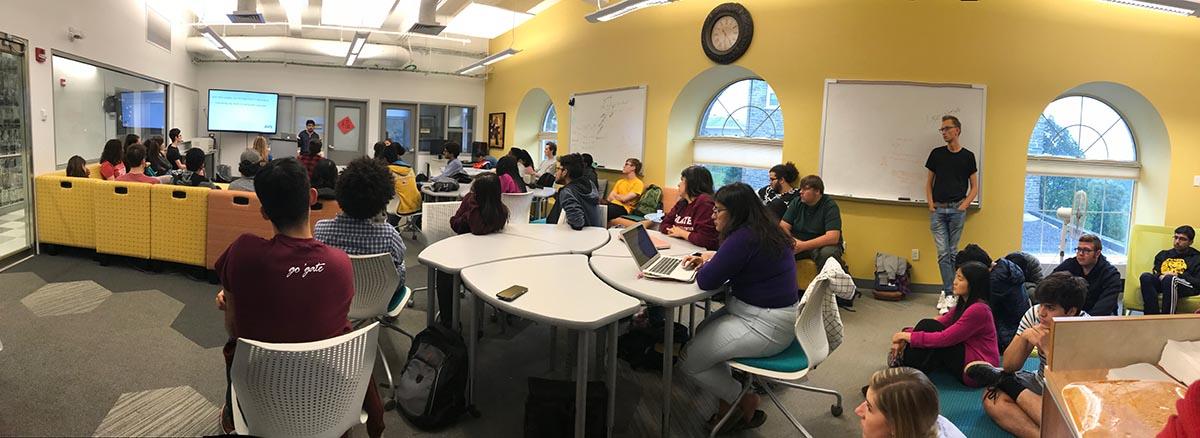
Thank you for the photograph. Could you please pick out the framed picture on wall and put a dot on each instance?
(496, 130)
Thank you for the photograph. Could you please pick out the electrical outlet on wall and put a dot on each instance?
(916, 254)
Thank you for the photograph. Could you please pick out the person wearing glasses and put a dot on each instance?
(950, 187)
(1104, 282)
(781, 190)
(815, 223)
(1175, 273)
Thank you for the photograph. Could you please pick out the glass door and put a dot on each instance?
(431, 134)
(400, 125)
(346, 141)
(16, 231)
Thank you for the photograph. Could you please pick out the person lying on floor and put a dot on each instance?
(1014, 397)
(963, 335)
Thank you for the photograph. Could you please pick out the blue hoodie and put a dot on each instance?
(1008, 300)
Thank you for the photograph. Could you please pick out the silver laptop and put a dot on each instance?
(651, 263)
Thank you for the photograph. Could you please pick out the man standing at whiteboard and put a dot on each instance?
(949, 189)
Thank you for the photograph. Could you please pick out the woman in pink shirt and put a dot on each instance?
(510, 177)
(963, 335)
(112, 160)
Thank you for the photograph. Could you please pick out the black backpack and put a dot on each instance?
(639, 347)
(431, 390)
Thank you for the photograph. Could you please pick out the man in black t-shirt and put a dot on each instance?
(949, 189)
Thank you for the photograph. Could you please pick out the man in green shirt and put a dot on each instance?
(815, 223)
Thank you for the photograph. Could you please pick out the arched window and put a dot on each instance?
(549, 131)
(1080, 144)
(741, 133)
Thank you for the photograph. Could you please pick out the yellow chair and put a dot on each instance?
(93, 171)
(122, 212)
(231, 214)
(1145, 241)
(323, 209)
(178, 232)
(65, 210)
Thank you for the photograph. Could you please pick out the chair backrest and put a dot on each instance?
(435, 220)
(518, 206)
(1145, 241)
(811, 323)
(310, 389)
(323, 209)
(232, 213)
(93, 171)
(600, 216)
(603, 186)
(375, 280)
(179, 227)
(670, 195)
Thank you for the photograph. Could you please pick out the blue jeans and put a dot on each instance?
(947, 225)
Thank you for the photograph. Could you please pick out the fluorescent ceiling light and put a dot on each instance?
(218, 43)
(483, 21)
(357, 13)
(360, 40)
(544, 5)
(621, 8)
(1155, 6)
(350, 59)
(507, 53)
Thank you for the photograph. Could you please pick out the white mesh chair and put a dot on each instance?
(518, 205)
(375, 281)
(600, 211)
(791, 367)
(309, 389)
(435, 220)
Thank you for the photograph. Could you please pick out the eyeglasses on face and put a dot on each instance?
(945, 128)
(1083, 250)
(719, 210)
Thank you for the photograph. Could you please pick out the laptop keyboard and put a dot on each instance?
(664, 266)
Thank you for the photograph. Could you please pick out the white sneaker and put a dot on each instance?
(943, 304)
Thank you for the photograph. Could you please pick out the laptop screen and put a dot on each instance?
(640, 245)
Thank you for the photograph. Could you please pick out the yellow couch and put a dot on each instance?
(65, 210)
(178, 226)
(1145, 241)
(122, 211)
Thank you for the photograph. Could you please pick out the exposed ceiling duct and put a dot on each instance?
(247, 12)
(427, 19)
(278, 48)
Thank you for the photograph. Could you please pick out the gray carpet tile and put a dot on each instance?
(16, 285)
(178, 411)
(57, 299)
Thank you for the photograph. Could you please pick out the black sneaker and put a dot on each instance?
(984, 373)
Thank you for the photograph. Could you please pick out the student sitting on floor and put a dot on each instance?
(249, 165)
(626, 191)
(77, 167)
(1175, 275)
(1014, 397)
(902, 403)
(273, 290)
(363, 192)
(112, 160)
(1103, 279)
(963, 335)
(480, 213)
(759, 316)
(691, 218)
(135, 161)
(193, 175)
(1007, 292)
(324, 179)
(510, 177)
(578, 198)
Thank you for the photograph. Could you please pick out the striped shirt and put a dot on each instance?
(362, 237)
(1031, 320)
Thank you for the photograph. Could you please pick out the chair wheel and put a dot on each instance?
(835, 410)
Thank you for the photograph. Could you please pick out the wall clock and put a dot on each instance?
(727, 33)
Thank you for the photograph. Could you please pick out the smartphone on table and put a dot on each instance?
(512, 293)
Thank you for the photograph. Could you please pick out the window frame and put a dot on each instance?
(765, 151)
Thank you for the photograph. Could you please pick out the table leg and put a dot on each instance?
(581, 380)
(612, 376)
(472, 344)
(691, 317)
(431, 292)
(553, 348)
(707, 306)
(668, 366)
(455, 285)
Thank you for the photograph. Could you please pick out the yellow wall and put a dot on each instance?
(1027, 52)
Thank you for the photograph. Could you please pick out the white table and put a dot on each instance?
(463, 189)
(569, 296)
(453, 254)
(582, 241)
(622, 273)
(616, 247)
(471, 171)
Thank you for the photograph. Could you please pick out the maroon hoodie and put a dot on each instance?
(694, 217)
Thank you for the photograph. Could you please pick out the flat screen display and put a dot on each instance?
(242, 111)
(143, 109)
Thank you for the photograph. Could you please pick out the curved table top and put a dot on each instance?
(583, 241)
(567, 294)
(463, 189)
(455, 253)
(622, 273)
(616, 246)
(544, 192)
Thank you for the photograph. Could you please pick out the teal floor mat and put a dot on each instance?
(962, 405)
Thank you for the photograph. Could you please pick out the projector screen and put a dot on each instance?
(242, 111)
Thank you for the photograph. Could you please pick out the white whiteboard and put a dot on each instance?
(876, 135)
(610, 125)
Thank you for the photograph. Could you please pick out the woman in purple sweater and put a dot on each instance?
(759, 317)
(963, 335)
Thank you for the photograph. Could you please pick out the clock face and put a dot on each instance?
(725, 33)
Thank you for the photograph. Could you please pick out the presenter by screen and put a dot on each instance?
(949, 190)
(309, 133)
